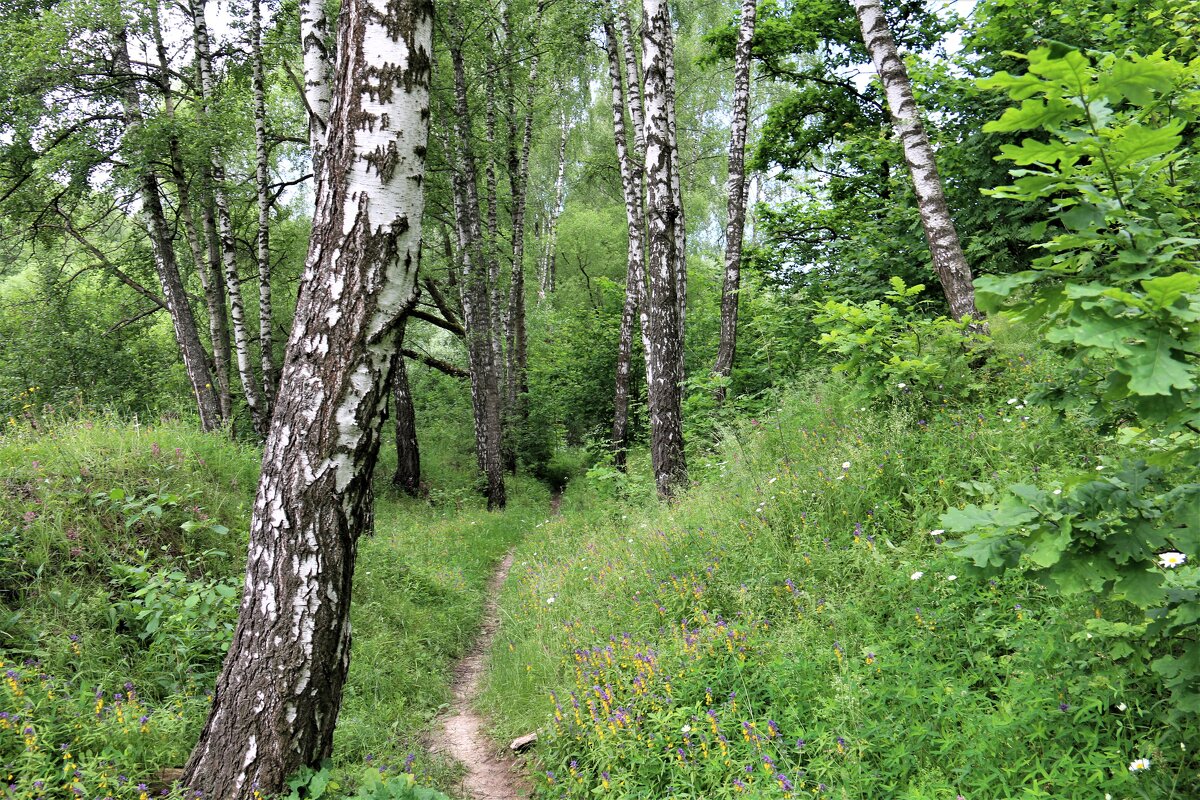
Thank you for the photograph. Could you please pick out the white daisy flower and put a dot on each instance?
(916, 576)
(951, 577)
(1139, 765)
(1171, 560)
(937, 532)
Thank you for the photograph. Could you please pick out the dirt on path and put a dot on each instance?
(493, 773)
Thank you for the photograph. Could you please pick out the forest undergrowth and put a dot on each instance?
(794, 627)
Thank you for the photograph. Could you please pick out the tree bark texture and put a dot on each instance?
(233, 282)
(277, 698)
(949, 262)
(408, 453)
(736, 188)
(262, 242)
(677, 195)
(518, 177)
(187, 336)
(476, 300)
(662, 212)
(631, 183)
(314, 44)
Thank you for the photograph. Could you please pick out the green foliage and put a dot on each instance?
(372, 784)
(890, 349)
(1116, 293)
(796, 593)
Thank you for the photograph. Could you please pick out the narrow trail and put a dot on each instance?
(493, 772)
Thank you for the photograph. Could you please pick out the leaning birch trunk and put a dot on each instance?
(485, 382)
(233, 282)
(407, 476)
(736, 188)
(666, 345)
(187, 336)
(210, 281)
(262, 242)
(277, 699)
(949, 262)
(631, 183)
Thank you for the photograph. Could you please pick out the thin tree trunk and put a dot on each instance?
(518, 177)
(485, 384)
(195, 360)
(213, 287)
(677, 197)
(662, 211)
(233, 282)
(215, 295)
(631, 182)
(277, 699)
(408, 454)
(491, 248)
(550, 256)
(949, 262)
(736, 189)
(262, 179)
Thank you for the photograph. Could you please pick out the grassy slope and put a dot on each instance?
(66, 545)
(790, 627)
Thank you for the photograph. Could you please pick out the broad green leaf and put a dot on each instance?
(1031, 151)
(1138, 80)
(1142, 587)
(1082, 217)
(1034, 115)
(1166, 290)
(1153, 368)
(1140, 142)
(1001, 286)
(1048, 549)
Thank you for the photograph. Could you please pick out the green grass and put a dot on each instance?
(106, 526)
(791, 628)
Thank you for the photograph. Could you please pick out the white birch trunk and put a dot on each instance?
(949, 261)
(277, 698)
(262, 179)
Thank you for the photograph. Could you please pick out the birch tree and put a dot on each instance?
(736, 189)
(949, 262)
(262, 180)
(665, 358)
(276, 701)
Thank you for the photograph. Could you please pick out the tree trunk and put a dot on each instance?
(949, 262)
(485, 383)
(631, 183)
(550, 256)
(668, 43)
(314, 43)
(408, 454)
(233, 282)
(736, 188)
(213, 287)
(277, 698)
(262, 179)
(187, 336)
(662, 212)
(518, 178)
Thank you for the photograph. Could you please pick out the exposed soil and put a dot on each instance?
(493, 773)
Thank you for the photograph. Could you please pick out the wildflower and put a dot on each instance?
(1139, 765)
(951, 577)
(1013, 401)
(845, 465)
(1122, 707)
(916, 576)
(1171, 560)
(937, 532)
(1057, 492)
(1063, 707)
(686, 729)
(901, 385)
(550, 600)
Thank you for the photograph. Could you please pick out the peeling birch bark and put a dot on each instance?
(631, 183)
(314, 44)
(262, 243)
(949, 262)
(278, 695)
(473, 288)
(736, 189)
(662, 213)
